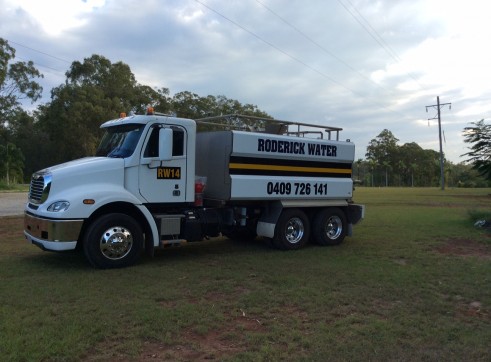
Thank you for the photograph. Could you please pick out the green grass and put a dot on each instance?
(413, 283)
(13, 187)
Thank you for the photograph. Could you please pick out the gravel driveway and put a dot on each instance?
(12, 203)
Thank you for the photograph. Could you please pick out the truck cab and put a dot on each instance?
(155, 151)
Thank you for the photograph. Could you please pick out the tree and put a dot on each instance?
(464, 175)
(95, 91)
(479, 135)
(411, 155)
(27, 135)
(12, 163)
(191, 105)
(406, 165)
(16, 82)
(382, 150)
(358, 164)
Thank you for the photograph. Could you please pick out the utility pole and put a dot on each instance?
(439, 106)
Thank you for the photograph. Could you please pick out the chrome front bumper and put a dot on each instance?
(51, 234)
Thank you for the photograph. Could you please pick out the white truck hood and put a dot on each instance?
(86, 171)
(97, 178)
(85, 165)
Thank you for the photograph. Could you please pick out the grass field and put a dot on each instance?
(13, 187)
(412, 284)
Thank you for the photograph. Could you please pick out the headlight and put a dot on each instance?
(59, 206)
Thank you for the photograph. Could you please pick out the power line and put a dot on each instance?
(274, 46)
(370, 30)
(40, 65)
(324, 49)
(297, 59)
(39, 51)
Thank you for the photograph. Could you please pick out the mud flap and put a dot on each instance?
(269, 217)
(355, 214)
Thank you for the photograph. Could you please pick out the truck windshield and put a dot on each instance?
(120, 141)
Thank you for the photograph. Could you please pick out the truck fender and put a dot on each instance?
(151, 222)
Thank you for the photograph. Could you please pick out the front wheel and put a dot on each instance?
(292, 230)
(329, 226)
(113, 241)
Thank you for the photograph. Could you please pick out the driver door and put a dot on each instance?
(163, 181)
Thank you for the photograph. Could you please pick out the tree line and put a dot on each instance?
(67, 127)
(389, 164)
(96, 90)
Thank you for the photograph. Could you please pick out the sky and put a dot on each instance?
(362, 65)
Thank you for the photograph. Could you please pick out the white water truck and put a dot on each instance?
(155, 181)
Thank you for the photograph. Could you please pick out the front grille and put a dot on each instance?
(39, 189)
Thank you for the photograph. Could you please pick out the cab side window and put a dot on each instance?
(177, 141)
(152, 148)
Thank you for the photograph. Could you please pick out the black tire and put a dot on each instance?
(113, 241)
(329, 226)
(292, 230)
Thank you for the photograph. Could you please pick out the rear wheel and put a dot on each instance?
(292, 230)
(329, 226)
(113, 241)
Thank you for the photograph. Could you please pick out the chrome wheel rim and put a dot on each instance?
(334, 227)
(116, 242)
(294, 230)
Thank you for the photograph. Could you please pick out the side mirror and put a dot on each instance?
(165, 144)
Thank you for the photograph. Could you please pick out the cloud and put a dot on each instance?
(361, 65)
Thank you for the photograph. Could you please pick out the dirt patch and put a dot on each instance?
(194, 348)
(11, 226)
(224, 341)
(12, 237)
(473, 310)
(465, 248)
